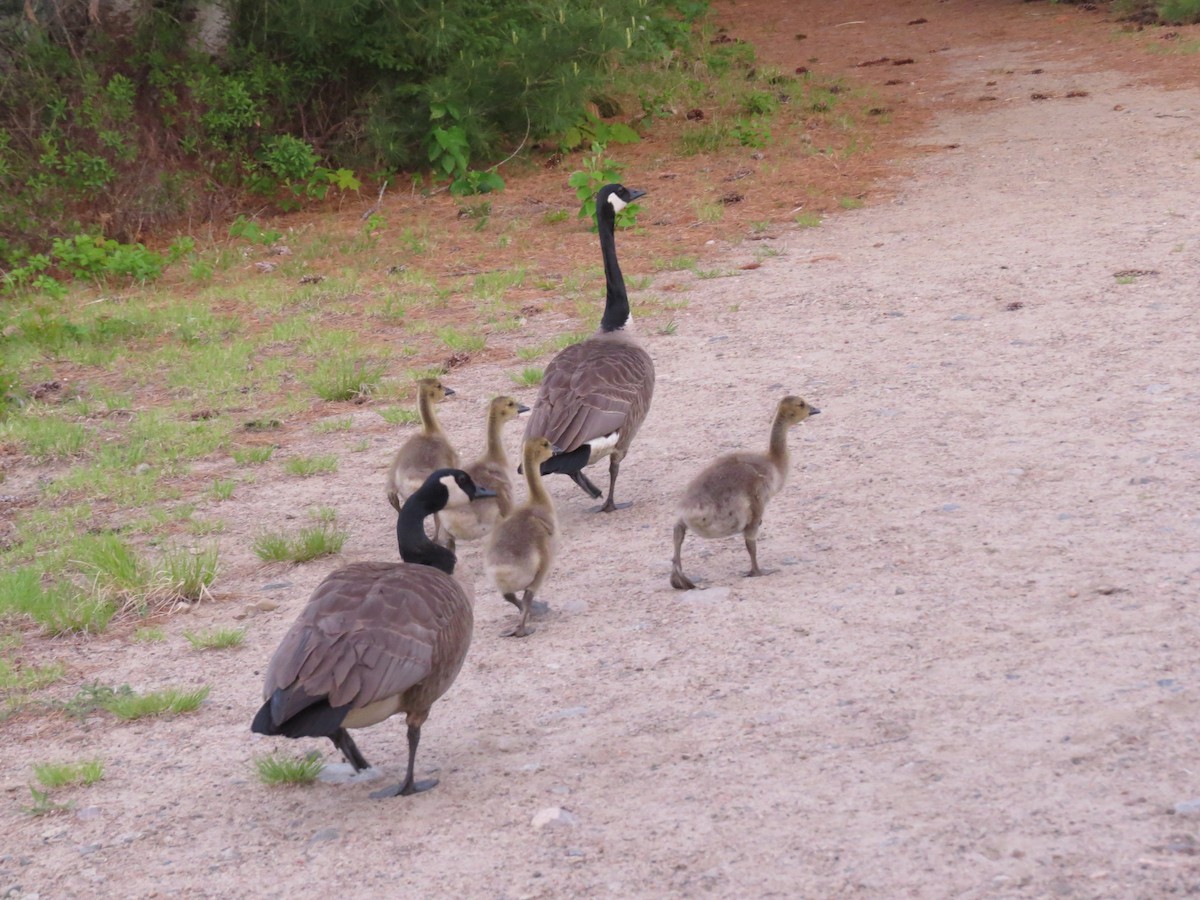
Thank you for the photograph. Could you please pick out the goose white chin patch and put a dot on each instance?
(458, 497)
(616, 202)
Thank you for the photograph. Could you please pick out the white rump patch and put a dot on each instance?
(617, 203)
(603, 446)
(458, 497)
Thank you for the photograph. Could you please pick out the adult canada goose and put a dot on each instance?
(377, 639)
(522, 546)
(595, 394)
(731, 493)
(424, 452)
(470, 523)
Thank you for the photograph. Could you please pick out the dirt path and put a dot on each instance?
(973, 674)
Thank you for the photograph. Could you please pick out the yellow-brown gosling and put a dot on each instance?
(470, 523)
(521, 548)
(729, 496)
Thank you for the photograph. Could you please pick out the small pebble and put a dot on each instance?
(554, 817)
(325, 834)
(1187, 808)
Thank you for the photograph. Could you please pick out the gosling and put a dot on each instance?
(731, 494)
(521, 548)
(476, 520)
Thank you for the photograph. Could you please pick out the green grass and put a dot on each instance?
(185, 574)
(167, 702)
(328, 426)
(57, 775)
(460, 341)
(44, 437)
(222, 488)
(42, 805)
(252, 456)
(674, 264)
(149, 634)
(276, 769)
(308, 544)
(307, 466)
(399, 415)
(528, 377)
(851, 203)
(345, 377)
(216, 638)
(807, 220)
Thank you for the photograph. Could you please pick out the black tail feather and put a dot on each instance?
(567, 463)
(315, 719)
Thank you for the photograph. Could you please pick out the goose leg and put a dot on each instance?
(342, 740)
(586, 484)
(679, 581)
(521, 630)
(614, 466)
(409, 785)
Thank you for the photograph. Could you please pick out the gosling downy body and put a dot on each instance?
(595, 394)
(425, 451)
(522, 546)
(377, 639)
(730, 495)
(470, 523)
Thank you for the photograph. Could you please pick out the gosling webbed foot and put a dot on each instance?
(611, 507)
(519, 631)
(757, 572)
(681, 582)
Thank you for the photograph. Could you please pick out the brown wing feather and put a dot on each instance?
(373, 630)
(591, 389)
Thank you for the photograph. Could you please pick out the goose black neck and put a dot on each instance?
(616, 303)
(415, 546)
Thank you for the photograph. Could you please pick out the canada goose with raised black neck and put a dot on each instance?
(595, 394)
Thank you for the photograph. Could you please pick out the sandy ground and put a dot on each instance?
(974, 672)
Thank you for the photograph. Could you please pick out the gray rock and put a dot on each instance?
(1187, 807)
(325, 834)
(706, 595)
(554, 817)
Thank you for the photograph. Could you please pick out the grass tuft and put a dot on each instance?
(307, 466)
(398, 415)
(252, 456)
(528, 377)
(345, 377)
(276, 769)
(167, 702)
(216, 638)
(56, 775)
(310, 543)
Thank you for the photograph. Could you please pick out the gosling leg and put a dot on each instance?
(679, 581)
(751, 535)
(521, 629)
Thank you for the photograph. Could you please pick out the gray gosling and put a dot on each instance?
(377, 639)
(521, 548)
(471, 523)
(424, 452)
(731, 493)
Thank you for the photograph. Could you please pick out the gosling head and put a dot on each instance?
(537, 451)
(505, 408)
(616, 197)
(793, 409)
(448, 488)
(433, 389)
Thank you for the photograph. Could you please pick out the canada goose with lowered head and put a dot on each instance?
(731, 493)
(424, 452)
(595, 394)
(522, 546)
(470, 523)
(377, 639)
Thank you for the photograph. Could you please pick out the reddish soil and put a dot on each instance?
(973, 672)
